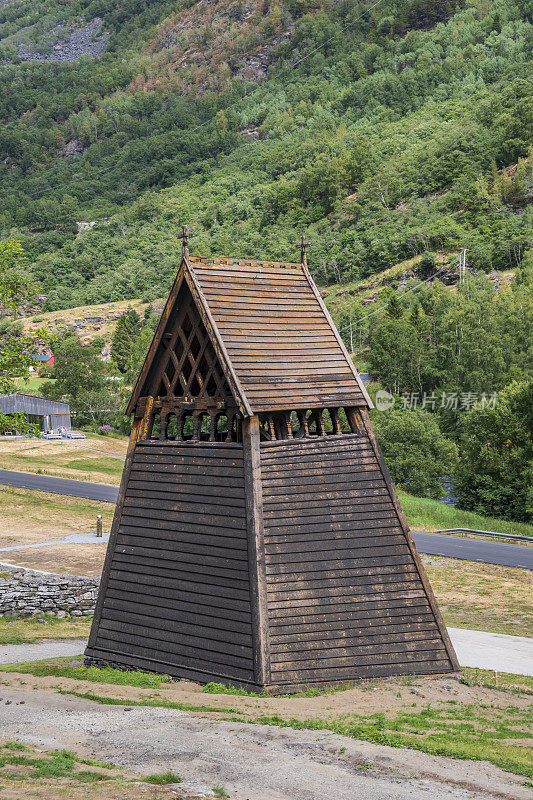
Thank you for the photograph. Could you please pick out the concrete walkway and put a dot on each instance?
(38, 651)
(493, 651)
(474, 649)
(71, 538)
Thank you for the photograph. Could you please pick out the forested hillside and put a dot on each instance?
(394, 134)
(381, 130)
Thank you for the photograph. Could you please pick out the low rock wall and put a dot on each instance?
(30, 593)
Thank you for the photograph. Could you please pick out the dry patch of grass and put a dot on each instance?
(30, 517)
(484, 597)
(22, 631)
(97, 459)
(31, 773)
(91, 322)
(63, 559)
(27, 516)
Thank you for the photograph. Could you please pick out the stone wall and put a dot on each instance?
(30, 593)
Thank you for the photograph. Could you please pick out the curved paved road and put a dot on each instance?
(487, 552)
(45, 483)
(484, 550)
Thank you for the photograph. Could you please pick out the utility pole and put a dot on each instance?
(462, 264)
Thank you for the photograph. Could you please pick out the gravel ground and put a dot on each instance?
(252, 762)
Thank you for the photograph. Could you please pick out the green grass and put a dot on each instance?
(221, 688)
(219, 791)
(143, 680)
(107, 466)
(162, 778)
(57, 764)
(312, 691)
(32, 385)
(44, 464)
(505, 681)
(476, 733)
(427, 515)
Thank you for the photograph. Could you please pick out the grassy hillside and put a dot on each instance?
(380, 130)
(90, 322)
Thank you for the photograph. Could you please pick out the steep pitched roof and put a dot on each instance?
(272, 334)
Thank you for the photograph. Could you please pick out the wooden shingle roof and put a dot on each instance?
(274, 333)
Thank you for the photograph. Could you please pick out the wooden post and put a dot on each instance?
(256, 548)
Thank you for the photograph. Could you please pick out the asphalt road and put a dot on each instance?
(45, 483)
(487, 552)
(484, 550)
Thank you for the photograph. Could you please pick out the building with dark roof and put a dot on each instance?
(47, 414)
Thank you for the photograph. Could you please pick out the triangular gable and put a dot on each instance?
(273, 336)
(186, 357)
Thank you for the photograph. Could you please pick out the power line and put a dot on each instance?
(411, 289)
(42, 192)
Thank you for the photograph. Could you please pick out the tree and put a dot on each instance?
(126, 333)
(495, 474)
(15, 286)
(138, 353)
(416, 451)
(81, 381)
(400, 354)
(18, 351)
(394, 309)
(18, 422)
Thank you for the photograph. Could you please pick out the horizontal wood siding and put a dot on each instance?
(280, 343)
(345, 599)
(178, 596)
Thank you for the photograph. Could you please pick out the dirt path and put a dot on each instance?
(252, 762)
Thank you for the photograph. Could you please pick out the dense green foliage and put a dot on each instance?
(452, 357)
(383, 132)
(18, 351)
(496, 469)
(416, 451)
(470, 340)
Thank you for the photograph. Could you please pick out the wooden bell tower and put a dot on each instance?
(258, 538)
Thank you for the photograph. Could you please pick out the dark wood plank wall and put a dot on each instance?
(178, 596)
(345, 599)
(278, 339)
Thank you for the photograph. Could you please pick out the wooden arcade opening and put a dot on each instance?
(258, 539)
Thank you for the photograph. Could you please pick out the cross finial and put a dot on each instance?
(303, 245)
(185, 236)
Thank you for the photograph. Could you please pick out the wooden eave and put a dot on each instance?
(272, 333)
